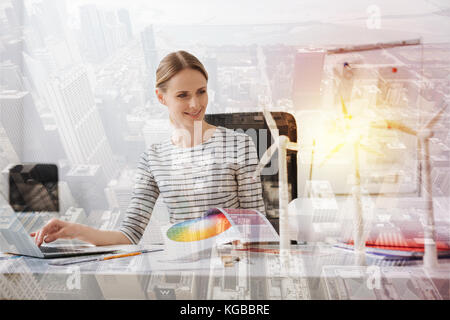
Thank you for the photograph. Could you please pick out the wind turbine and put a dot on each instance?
(423, 135)
(282, 143)
(354, 135)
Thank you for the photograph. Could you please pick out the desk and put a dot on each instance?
(316, 271)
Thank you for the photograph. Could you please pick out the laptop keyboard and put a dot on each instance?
(46, 249)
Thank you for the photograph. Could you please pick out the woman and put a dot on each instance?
(199, 167)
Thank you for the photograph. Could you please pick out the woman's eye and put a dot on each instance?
(202, 91)
(183, 95)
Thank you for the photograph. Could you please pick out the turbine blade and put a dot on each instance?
(269, 153)
(419, 167)
(391, 124)
(265, 159)
(271, 124)
(401, 127)
(370, 150)
(344, 108)
(379, 124)
(435, 118)
(332, 152)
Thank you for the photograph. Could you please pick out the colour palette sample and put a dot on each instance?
(202, 228)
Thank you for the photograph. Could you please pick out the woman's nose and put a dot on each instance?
(193, 102)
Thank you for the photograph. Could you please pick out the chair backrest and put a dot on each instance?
(254, 124)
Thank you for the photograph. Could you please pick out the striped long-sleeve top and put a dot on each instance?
(216, 173)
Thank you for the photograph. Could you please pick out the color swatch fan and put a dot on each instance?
(199, 229)
(193, 239)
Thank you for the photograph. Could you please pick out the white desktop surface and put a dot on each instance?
(314, 270)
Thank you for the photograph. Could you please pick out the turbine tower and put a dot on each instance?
(423, 135)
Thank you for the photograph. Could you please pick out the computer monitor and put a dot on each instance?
(33, 187)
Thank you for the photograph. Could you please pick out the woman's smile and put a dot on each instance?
(194, 114)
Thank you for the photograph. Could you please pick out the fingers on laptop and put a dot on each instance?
(39, 237)
(53, 236)
(50, 228)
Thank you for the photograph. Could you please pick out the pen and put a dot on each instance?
(129, 254)
(73, 261)
(122, 255)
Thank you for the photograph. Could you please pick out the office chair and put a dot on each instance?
(246, 121)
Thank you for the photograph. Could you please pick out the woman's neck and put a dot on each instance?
(188, 137)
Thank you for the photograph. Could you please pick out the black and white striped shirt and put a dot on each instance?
(217, 173)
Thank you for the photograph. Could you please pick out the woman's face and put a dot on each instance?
(186, 97)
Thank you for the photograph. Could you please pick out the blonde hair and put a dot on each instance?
(173, 63)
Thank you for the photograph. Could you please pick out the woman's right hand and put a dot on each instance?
(55, 229)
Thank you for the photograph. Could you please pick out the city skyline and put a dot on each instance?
(82, 85)
(77, 90)
(79, 79)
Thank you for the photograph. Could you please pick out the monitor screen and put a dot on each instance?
(34, 188)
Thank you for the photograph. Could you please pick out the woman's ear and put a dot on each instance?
(160, 96)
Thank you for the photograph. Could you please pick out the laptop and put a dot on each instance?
(33, 195)
(16, 240)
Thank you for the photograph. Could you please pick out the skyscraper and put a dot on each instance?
(18, 282)
(124, 18)
(10, 77)
(11, 119)
(70, 97)
(93, 32)
(24, 128)
(102, 33)
(150, 55)
(118, 192)
(211, 66)
(87, 184)
(52, 17)
(307, 79)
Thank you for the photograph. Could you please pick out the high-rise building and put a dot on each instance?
(12, 48)
(108, 219)
(93, 32)
(74, 215)
(307, 79)
(211, 66)
(70, 97)
(102, 32)
(66, 199)
(37, 71)
(118, 192)
(8, 156)
(11, 17)
(52, 16)
(156, 131)
(18, 282)
(124, 18)
(179, 285)
(115, 32)
(113, 116)
(24, 127)
(18, 11)
(150, 55)
(11, 119)
(10, 77)
(87, 183)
